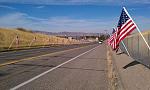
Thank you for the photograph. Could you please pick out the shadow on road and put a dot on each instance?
(120, 53)
(131, 64)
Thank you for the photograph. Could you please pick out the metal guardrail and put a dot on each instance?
(137, 48)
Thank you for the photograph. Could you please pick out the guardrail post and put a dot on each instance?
(17, 41)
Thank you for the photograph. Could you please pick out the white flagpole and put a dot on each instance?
(137, 28)
(125, 48)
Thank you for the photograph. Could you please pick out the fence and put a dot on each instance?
(137, 48)
(21, 42)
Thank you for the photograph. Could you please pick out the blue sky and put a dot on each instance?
(71, 15)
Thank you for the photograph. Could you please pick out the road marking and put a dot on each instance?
(38, 76)
(31, 58)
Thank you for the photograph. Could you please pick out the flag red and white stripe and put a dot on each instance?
(125, 30)
(112, 41)
(125, 26)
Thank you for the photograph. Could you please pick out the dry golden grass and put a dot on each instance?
(27, 38)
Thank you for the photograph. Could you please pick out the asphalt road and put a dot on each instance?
(21, 54)
(79, 69)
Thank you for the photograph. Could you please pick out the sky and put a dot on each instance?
(72, 15)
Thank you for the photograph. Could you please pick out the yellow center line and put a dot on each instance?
(34, 58)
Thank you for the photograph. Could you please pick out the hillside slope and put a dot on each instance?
(8, 39)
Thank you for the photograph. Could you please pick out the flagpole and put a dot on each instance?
(125, 48)
(137, 28)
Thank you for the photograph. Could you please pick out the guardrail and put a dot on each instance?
(137, 48)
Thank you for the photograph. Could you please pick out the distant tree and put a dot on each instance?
(103, 37)
(23, 29)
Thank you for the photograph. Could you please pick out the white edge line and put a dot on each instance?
(38, 76)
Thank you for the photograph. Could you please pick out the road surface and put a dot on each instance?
(82, 68)
(21, 54)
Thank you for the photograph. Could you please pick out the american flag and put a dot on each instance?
(125, 26)
(112, 39)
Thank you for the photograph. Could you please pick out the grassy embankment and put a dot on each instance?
(27, 39)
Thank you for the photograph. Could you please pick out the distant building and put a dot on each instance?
(96, 39)
(70, 38)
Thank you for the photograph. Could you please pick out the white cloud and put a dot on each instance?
(142, 1)
(8, 7)
(13, 19)
(39, 7)
(55, 23)
(76, 2)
